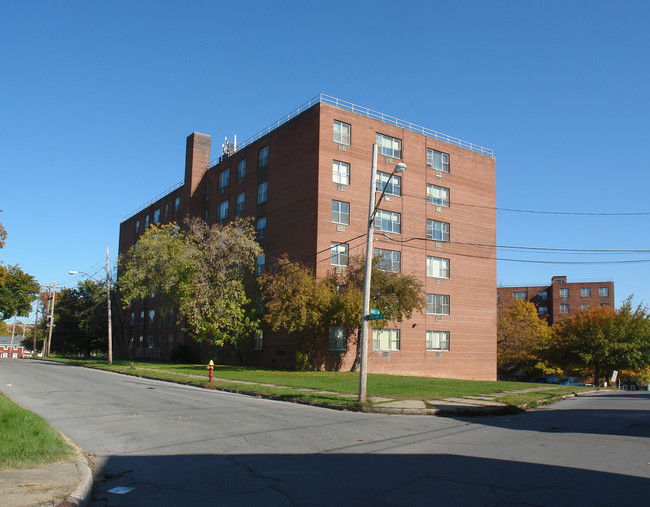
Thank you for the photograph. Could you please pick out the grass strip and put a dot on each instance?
(233, 378)
(28, 440)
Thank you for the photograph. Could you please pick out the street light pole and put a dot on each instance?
(372, 209)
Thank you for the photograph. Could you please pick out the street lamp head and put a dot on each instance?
(399, 168)
(73, 272)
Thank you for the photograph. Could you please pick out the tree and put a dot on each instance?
(201, 271)
(80, 317)
(17, 292)
(602, 339)
(521, 335)
(296, 300)
(3, 234)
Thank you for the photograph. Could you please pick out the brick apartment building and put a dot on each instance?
(561, 297)
(305, 180)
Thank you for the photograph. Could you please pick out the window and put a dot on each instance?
(437, 160)
(603, 292)
(337, 338)
(389, 146)
(156, 216)
(385, 339)
(585, 292)
(177, 205)
(151, 317)
(542, 311)
(341, 173)
(207, 190)
(583, 307)
(132, 319)
(564, 293)
(389, 260)
(437, 340)
(438, 195)
(437, 304)
(166, 212)
(261, 193)
(340, 212)
(241, 169)
(520, 295)
(339, 254)
(170, 317)
(239, 207)
(437, 267)
(437, 231)
(170, 341)
(224, 179)
(137, 226)
(257, 340)
(564, 309)
(259, 264)
(393, 187)
(261, 228)
(387, 221)
(263, 157)
(341, 133)
(542, 295)
(223, 211)
(146, 222)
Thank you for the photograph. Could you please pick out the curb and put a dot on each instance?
(82, 493)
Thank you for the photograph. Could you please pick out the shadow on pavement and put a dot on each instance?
(355, 479)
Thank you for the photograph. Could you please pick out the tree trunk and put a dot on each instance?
(596, 374)
(357, 356)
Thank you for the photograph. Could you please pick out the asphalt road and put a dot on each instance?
(177, 445)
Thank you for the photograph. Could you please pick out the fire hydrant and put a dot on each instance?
(210, 368)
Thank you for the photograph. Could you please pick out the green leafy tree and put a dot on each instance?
(521, 336)
(395, 295)
(201, 271)
(298, 301)
(17, 292)
(80, 317)
(3, 234)
(602, 339)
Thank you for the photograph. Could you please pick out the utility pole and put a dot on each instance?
(38, 300)
(49, 334)
(13, 330)
(108, 302)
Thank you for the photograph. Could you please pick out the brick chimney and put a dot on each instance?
(197, 159)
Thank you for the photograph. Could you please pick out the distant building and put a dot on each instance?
(560, 297)
(306, 182)
(9, 351)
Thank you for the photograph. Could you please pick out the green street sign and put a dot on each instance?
(376, 316)
(374, 312)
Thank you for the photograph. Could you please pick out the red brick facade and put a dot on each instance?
(560, 297)
(298, 212)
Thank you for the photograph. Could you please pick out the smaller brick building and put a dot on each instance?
(560, 297)
(9, 350)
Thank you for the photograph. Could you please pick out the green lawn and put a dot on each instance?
(28, 441)
(287, 384)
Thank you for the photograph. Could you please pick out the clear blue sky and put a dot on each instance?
(97, 99)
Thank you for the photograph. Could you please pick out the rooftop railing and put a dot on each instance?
(369, 113)
(155, 199)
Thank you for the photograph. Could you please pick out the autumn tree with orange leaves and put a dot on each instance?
(521, 336)
(602, 339)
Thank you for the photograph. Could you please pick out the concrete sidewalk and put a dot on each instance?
(62, 484)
